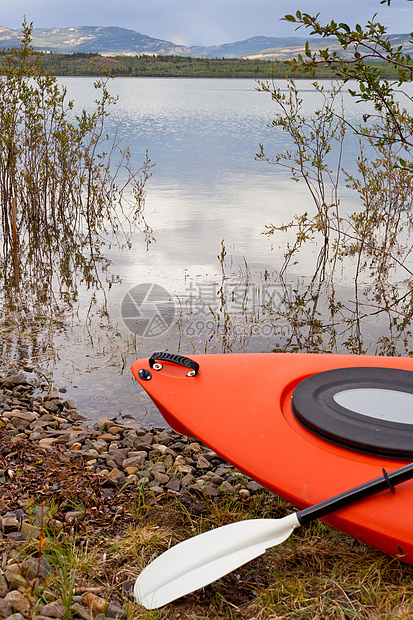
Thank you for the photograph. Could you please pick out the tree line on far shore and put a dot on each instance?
(84, 64)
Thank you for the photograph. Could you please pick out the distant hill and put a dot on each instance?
(96, 39)
(121, 41)
(249, 47)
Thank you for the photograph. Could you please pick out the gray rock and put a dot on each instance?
(253, 486)
(13, 576)
(40, 423)
(159, 467)
(17, 616)
(146, 440)
(116, 476)
(52, 406)
(208, 490)
(160, 477)
(3, 586)
(47, 417)
(75, 515)
(141, 446)
(111, 464)
(117, 456)
(163, 439)
(141, 453)
(5, 608)
(174, 484)
(134, 461)
(29, 531)
(22, 414)
(113, 611)
(53, 610)
(222, 470)
(187, 480)
(18, 536)
(12, 381)
(18, 513)
(77, 608)
(10, 524)
(155, 488)
(33, 569)
(100, 445)
(18, 602)
(226, 488)
(203, 463)
(70, 403)
(90, 454)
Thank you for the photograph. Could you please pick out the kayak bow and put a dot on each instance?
(305, 426)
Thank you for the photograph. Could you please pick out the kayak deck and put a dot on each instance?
(240, 406)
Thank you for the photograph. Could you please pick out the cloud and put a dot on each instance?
(196, 22)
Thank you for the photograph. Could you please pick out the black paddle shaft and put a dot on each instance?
(387, 481)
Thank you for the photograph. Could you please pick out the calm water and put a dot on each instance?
(206, 187)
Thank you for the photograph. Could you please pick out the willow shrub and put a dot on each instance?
(73, 186)
(360, 222)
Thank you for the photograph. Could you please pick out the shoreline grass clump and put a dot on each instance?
(87, 541)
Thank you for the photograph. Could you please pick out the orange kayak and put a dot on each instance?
(305, 426)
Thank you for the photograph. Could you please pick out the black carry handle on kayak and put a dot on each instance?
(164, 356)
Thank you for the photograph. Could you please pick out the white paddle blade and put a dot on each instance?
(200, 560)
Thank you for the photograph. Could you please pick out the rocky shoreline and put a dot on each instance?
(158, 459)
(80, 462)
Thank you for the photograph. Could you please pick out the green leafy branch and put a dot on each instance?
(358, 45)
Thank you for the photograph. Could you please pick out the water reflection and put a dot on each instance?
(324, 318)
(297, 315)
(206, 187)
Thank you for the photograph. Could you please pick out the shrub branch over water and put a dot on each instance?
(366, 237)
(72, 185)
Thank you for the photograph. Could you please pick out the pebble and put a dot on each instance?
(53, 610)
(161, 460)
(157, 461)
(97, 604)
(17, 601)
(5, 609)
(113, 611)
(81, 611)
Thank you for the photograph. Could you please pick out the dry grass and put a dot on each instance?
(318, 573)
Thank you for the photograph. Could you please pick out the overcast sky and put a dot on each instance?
(201, 22)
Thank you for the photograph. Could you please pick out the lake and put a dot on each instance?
(207, 197)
